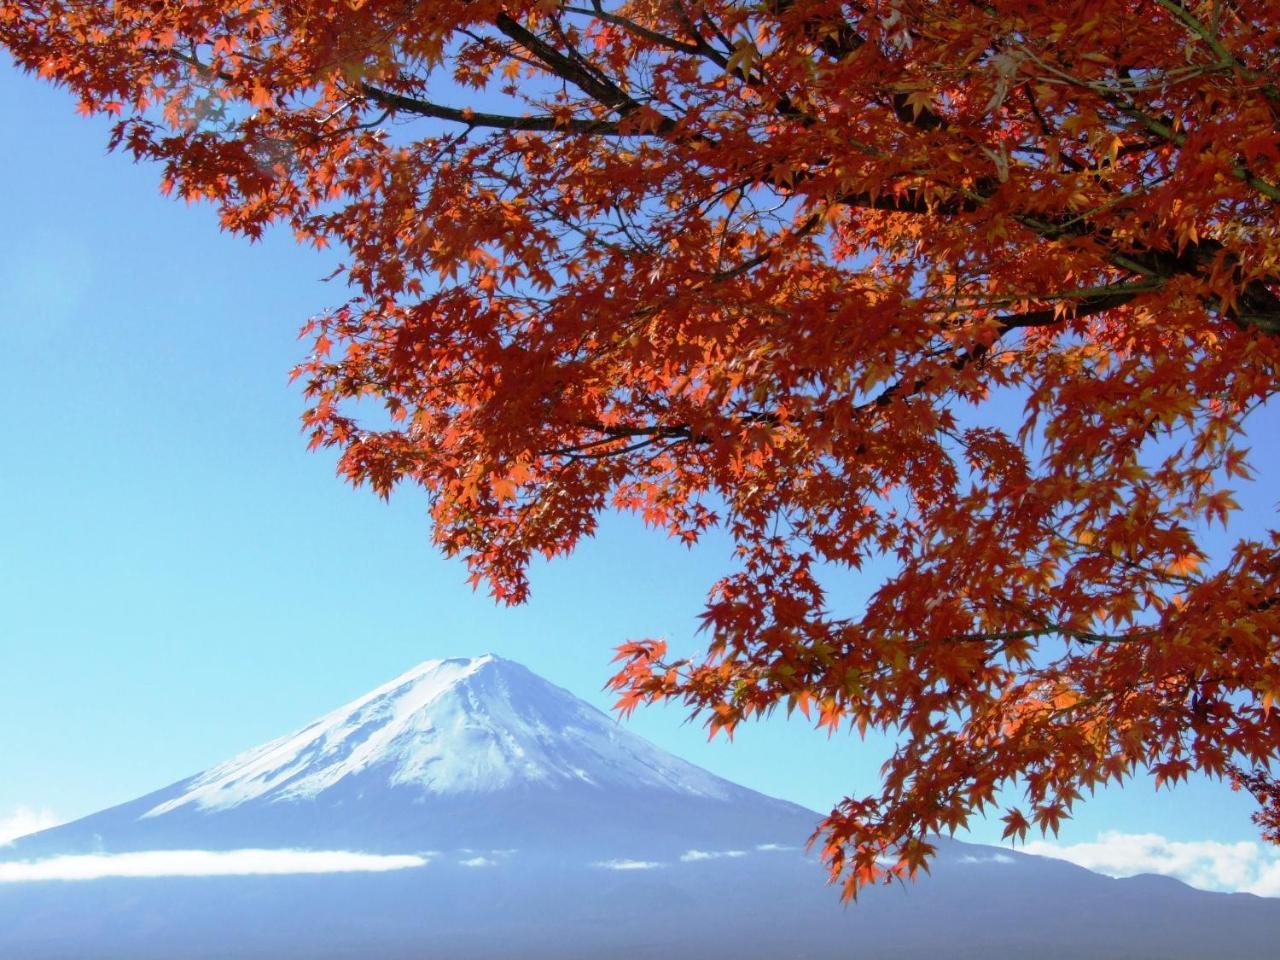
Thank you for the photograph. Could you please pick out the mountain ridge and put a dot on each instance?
(545, 830)
(459, 752)
(454, 725)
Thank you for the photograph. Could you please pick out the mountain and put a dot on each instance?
(504, 817)
(454, 754)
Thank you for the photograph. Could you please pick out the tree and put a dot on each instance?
(981, 291)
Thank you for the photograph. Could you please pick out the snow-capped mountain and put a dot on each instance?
(471, 809)
(451, 727)
(454, 754)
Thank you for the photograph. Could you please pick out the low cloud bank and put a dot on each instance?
(994, 858)
(1244, 867)
(204, 863)
(22, 821)
(694, 855)
(627, 864)
(485, 858)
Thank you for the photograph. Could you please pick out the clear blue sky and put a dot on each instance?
(180, 579)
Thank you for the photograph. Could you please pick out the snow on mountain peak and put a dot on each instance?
(453, 726)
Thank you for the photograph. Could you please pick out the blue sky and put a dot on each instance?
(180, 579)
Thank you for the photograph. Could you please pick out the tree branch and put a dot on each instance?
(544, 123)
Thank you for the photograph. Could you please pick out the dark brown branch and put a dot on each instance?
(1043, 317)
(900, 390)
(544, 123)
(566, 67)
(659, 39)
(910, 201)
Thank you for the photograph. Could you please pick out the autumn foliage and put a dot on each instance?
(975, 296)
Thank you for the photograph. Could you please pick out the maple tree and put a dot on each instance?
(976, 295)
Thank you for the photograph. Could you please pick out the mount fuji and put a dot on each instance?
(471, 809)
(453, 755)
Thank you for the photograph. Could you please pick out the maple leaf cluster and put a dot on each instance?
(975, 297)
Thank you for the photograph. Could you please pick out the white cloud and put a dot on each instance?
(1246, 866)
(994, 858)
(694, 855)
(770, 847)
(24, 820)
(204, 863)
(1267, 881)
(627, 864)
(490, 858)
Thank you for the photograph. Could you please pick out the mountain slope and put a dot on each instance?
(539, 828)
(451, 727)
(453, 754)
